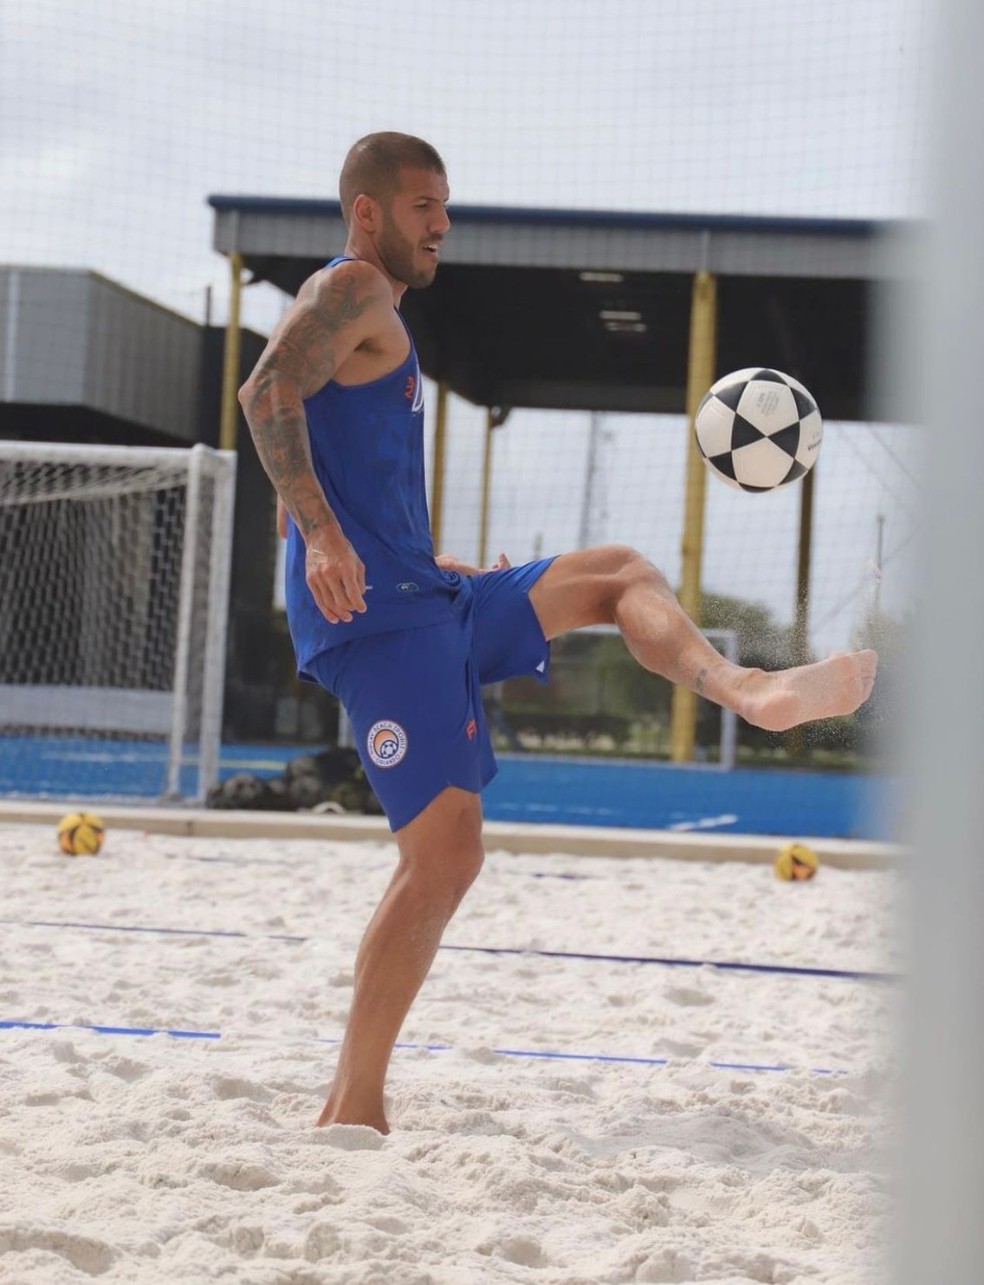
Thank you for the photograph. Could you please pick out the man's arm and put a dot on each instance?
(333, 314)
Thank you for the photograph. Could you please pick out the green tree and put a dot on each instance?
(763, 643)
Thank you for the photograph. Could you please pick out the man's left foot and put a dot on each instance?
(836, 686)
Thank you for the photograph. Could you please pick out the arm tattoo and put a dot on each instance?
(296, 363)
(699, 688)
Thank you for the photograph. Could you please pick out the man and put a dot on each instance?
(334, 406)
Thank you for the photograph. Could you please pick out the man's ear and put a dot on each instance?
(365, 212)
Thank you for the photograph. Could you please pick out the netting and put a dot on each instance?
(545, 498)
(123, 120)
(112, 618)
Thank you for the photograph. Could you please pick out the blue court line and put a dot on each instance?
(109, 1030)
(15, 1025)
(166, 932)
(725, 965)
(792, 970)
(381, 865)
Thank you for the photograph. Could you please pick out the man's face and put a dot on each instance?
(414, 223)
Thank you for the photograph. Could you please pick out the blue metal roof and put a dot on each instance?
(508, 214)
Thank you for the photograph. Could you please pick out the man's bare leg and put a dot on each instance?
(440, 856)
(613, 584)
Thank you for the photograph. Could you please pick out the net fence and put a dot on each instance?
(121, 119)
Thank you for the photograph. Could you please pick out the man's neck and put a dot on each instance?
(368, 255)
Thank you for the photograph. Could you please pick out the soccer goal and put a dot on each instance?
(114, 586)
(726, 642)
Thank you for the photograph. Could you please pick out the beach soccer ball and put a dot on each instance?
(795, 862)
(758, 429)
(81, 834)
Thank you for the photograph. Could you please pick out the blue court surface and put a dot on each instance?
(561, 791)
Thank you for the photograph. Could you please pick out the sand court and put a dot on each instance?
(557, 1118)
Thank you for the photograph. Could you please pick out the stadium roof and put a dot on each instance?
(589, 310)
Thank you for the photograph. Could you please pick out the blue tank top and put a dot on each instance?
(367, 446)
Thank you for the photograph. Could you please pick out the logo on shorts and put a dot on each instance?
(387, 743)
(471, 729)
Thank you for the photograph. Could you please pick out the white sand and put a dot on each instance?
(158, 1159)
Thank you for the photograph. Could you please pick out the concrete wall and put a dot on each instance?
(73, 338)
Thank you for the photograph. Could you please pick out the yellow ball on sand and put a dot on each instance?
(80, 834)
(796, 861)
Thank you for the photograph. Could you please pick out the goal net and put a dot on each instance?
(114, 583)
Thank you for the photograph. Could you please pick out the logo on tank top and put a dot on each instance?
(386, 743)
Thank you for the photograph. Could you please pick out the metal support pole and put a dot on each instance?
(796, 739)
(804, 556)
(437, 475)
(230, 364)
(590, 478)
(483, 533)
(700, 376)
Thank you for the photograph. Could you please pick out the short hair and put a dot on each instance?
(372, 166)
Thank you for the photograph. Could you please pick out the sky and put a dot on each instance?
(118, 118)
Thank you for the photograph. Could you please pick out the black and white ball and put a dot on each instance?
(758, 429)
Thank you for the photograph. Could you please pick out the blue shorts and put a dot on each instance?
(414, 697)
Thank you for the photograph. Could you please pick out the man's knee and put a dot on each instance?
(443, 845)
(630, 568)
(446, 876)
(466, 870)
(588, 587)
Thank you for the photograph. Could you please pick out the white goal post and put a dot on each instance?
(114, 588)
(726, 642)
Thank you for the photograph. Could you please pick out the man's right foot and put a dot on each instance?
(337, 1112)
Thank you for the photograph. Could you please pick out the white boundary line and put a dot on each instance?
(500, 836)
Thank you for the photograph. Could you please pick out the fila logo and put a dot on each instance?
(471, 729)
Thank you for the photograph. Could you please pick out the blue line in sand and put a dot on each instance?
(839, 974)
(547, 1054)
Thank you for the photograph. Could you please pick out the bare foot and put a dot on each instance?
(831, 687)
(336, 1111)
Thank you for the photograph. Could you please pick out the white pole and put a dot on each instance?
(729, 719)
(223, 468)
(346, 733)
(942, 1228)
(168, 457)
(186, 597)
